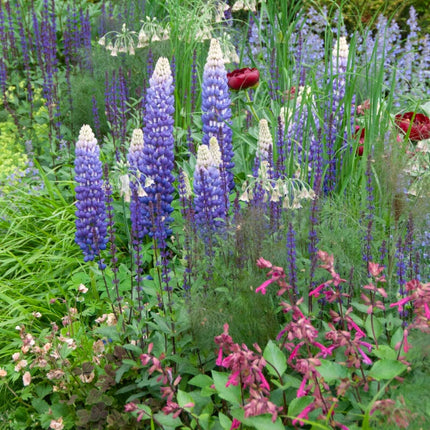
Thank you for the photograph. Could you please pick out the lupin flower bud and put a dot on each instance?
(91, 223)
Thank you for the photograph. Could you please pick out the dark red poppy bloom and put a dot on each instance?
(418, 123)
(241, 79)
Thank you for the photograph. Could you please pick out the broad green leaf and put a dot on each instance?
(225, 421)
(201, 381)
(230, 393)
(167, 421)
(332, 371)
(298, 404)
(387, 369)
(184, 399)
(276, 358)
(260, 422)
(377, 327)
(384, 351)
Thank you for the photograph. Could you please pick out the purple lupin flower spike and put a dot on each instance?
(136, 160)
(216, 109)
(209, 196)
(159, 148)
(91, 223)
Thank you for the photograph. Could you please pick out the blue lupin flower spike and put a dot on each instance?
(91, 222)
(216, 109)
(209, 200)
(158, 151)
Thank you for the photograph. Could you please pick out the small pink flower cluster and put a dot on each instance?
(247, 370)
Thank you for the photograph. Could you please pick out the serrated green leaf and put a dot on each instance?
(43, 390)
(386, 369)
(40, 405)
(230, 393)
(275, 358)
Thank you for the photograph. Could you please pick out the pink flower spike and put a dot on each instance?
(264, 264)
(317, 290)
(427, 311)
(301, 391)
(218, 361)
(325, 351)
(264, 285)
(355, 326)
(232, 380)
(304, 414)
(400, 303)
(406, 346)
(235, 424)
(264, 383)
(366, 359)
(295, 350)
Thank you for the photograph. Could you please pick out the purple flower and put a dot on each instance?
(216, 109)
(158, 151)
(209, 199)
(91, 223)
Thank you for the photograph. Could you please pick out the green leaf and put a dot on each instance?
(40, 405)
(230, 393)
(225, 421)
(384, 351)
(43, 390)
(332, 371)
(184, 399)
(120, 372)
(387, 369)
(298, 404)
(377, 327)
(167, 421)
(201, 381)
(260, 422)
(275, 358)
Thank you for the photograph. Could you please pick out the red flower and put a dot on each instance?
(241, 79)
(419, 125)
(360, 149)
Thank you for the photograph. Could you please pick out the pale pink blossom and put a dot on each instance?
(57, 424)
(26, 379)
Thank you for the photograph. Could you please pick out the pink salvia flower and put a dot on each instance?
(219, 359)
(264, 285)
(400, 303)
(316, 291)
(235, 424)
(426, 311)
(264, 264)
(366, 359)
(233, 379)
(264, 384)
(301, 391)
